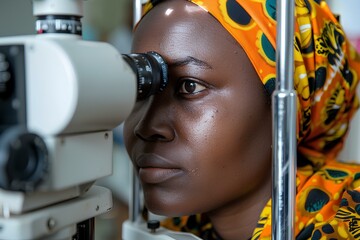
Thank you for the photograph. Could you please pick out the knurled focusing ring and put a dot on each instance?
(59, 24)
(151, 72)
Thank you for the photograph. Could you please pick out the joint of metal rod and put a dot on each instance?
(284, 164)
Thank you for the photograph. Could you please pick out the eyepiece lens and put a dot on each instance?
(151, 71)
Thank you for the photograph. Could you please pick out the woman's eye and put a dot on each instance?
(191, 87)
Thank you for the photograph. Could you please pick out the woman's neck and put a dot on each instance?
(238, 219)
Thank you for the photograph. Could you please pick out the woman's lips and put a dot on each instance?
(154, 169)
(154, 175)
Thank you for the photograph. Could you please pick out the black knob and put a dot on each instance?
(153, 225)
(23, 160)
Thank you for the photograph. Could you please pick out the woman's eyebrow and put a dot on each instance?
(189, 60)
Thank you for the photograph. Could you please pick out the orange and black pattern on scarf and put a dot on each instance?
(326, 73)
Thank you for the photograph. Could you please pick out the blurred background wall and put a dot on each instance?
(105, 20)
(349, 18)
(16, 17)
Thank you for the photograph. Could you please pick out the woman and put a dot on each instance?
(202, 147)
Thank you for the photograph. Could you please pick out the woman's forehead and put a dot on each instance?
(181, 28)
(179, 17)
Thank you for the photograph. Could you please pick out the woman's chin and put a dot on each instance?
(167, 211)
(169, 208)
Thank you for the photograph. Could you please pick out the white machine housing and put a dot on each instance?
(76, 93)
(56, 7)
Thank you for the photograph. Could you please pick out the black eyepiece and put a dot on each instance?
(151, 71)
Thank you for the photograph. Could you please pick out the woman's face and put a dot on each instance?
(204, 142)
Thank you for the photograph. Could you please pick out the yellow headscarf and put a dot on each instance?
(327, 70)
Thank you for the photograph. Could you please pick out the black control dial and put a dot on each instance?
(58, 24)
(23, 160)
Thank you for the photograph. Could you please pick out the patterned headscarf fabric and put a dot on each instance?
(326, 72)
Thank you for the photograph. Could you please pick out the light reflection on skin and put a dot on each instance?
(194, 9)
(169, 11)
(189, 9)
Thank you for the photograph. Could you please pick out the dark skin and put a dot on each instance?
(204, 144)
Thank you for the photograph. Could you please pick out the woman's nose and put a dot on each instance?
(155, 122)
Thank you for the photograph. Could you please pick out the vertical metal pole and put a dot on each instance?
(134, 201)
(137, 11)
(134, 204)
(284, 126)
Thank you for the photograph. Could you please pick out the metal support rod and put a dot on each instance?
(284, 126)
(137, 11)
(285, 44)
(134, 201)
